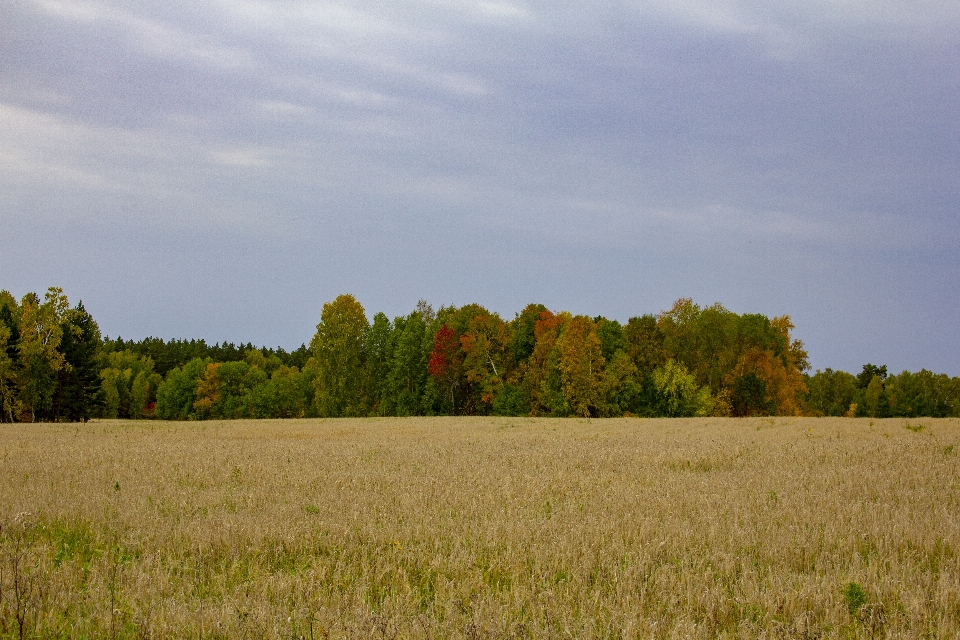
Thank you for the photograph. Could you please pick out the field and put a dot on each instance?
(482, 528)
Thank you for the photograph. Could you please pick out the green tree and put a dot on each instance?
(830, 392)
(612, 339)
(284, 395)
(139, 395)
(377, 350)
(876, 404)
(77, 395)
(407, 379)
(178, 391)
(338, 349)
(511, 401)
(621, 389)
(678, 394)
(869, 372)
(9, 357)
(237, 382)
(644, 344)
(38, 351)
(113, 383)
(118, 371)
(749, 396)
(522, 335)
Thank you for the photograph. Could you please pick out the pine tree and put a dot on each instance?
(77, 396)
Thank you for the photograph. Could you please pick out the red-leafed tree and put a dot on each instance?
(446, 362)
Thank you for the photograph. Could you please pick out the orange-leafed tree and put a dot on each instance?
(208, 392)
(537, 368)
(580, 363)
(484, 348)
(782, 386)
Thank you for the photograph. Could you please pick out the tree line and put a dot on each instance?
(688, 361)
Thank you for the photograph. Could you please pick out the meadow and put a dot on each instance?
(481, 528)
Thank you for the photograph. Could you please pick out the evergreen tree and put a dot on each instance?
(77, 396)
(9, 357)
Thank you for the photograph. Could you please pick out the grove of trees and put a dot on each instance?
(687, 361)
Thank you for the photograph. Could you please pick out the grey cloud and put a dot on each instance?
(797, 158)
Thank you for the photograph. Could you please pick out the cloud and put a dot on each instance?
(808, 20)
(653, 146)
(243, 157)
(150, 36)
(504, 10)
(280, 109)
(40, 150)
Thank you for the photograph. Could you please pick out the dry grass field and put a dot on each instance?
(482, 528)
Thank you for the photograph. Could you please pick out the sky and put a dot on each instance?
(220, 169)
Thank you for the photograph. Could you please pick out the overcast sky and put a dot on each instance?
(220, 169)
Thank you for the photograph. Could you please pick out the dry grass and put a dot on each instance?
(477, 528)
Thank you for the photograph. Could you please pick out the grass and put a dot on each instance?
(481, 528)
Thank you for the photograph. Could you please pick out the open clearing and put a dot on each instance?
(482, 527)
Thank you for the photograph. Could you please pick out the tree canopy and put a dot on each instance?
(686, 361)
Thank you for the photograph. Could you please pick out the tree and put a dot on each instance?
(119, 371)
(866, 376)
(783, 386)
(227, 390)
(723, 350)
(918, 394)
(621, 390)
(285, 395)
(876, 404)
(338, 349)
(484, 347)
(749, 396)
(790, 351)
(139, 395)
(522, 335)
(610, 333)
(9, 358)
(580, 364)
(830, 392)
(38, 351)
(377, 365)
(408, 366)
(7, 378)
(178, 391)
(208, 392)
(446, 364)
(644, 345)
(237, 382)
(79, 382)
(539, 377)
(510, 401)
(677, 392)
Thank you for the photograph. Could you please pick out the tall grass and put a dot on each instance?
(481, 527)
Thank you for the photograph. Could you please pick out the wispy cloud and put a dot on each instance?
(586, 136)
(243, 157)
(151, 36)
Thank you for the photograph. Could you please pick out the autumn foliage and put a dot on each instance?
(685, 361)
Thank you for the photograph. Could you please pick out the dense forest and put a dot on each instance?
(689, 361)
